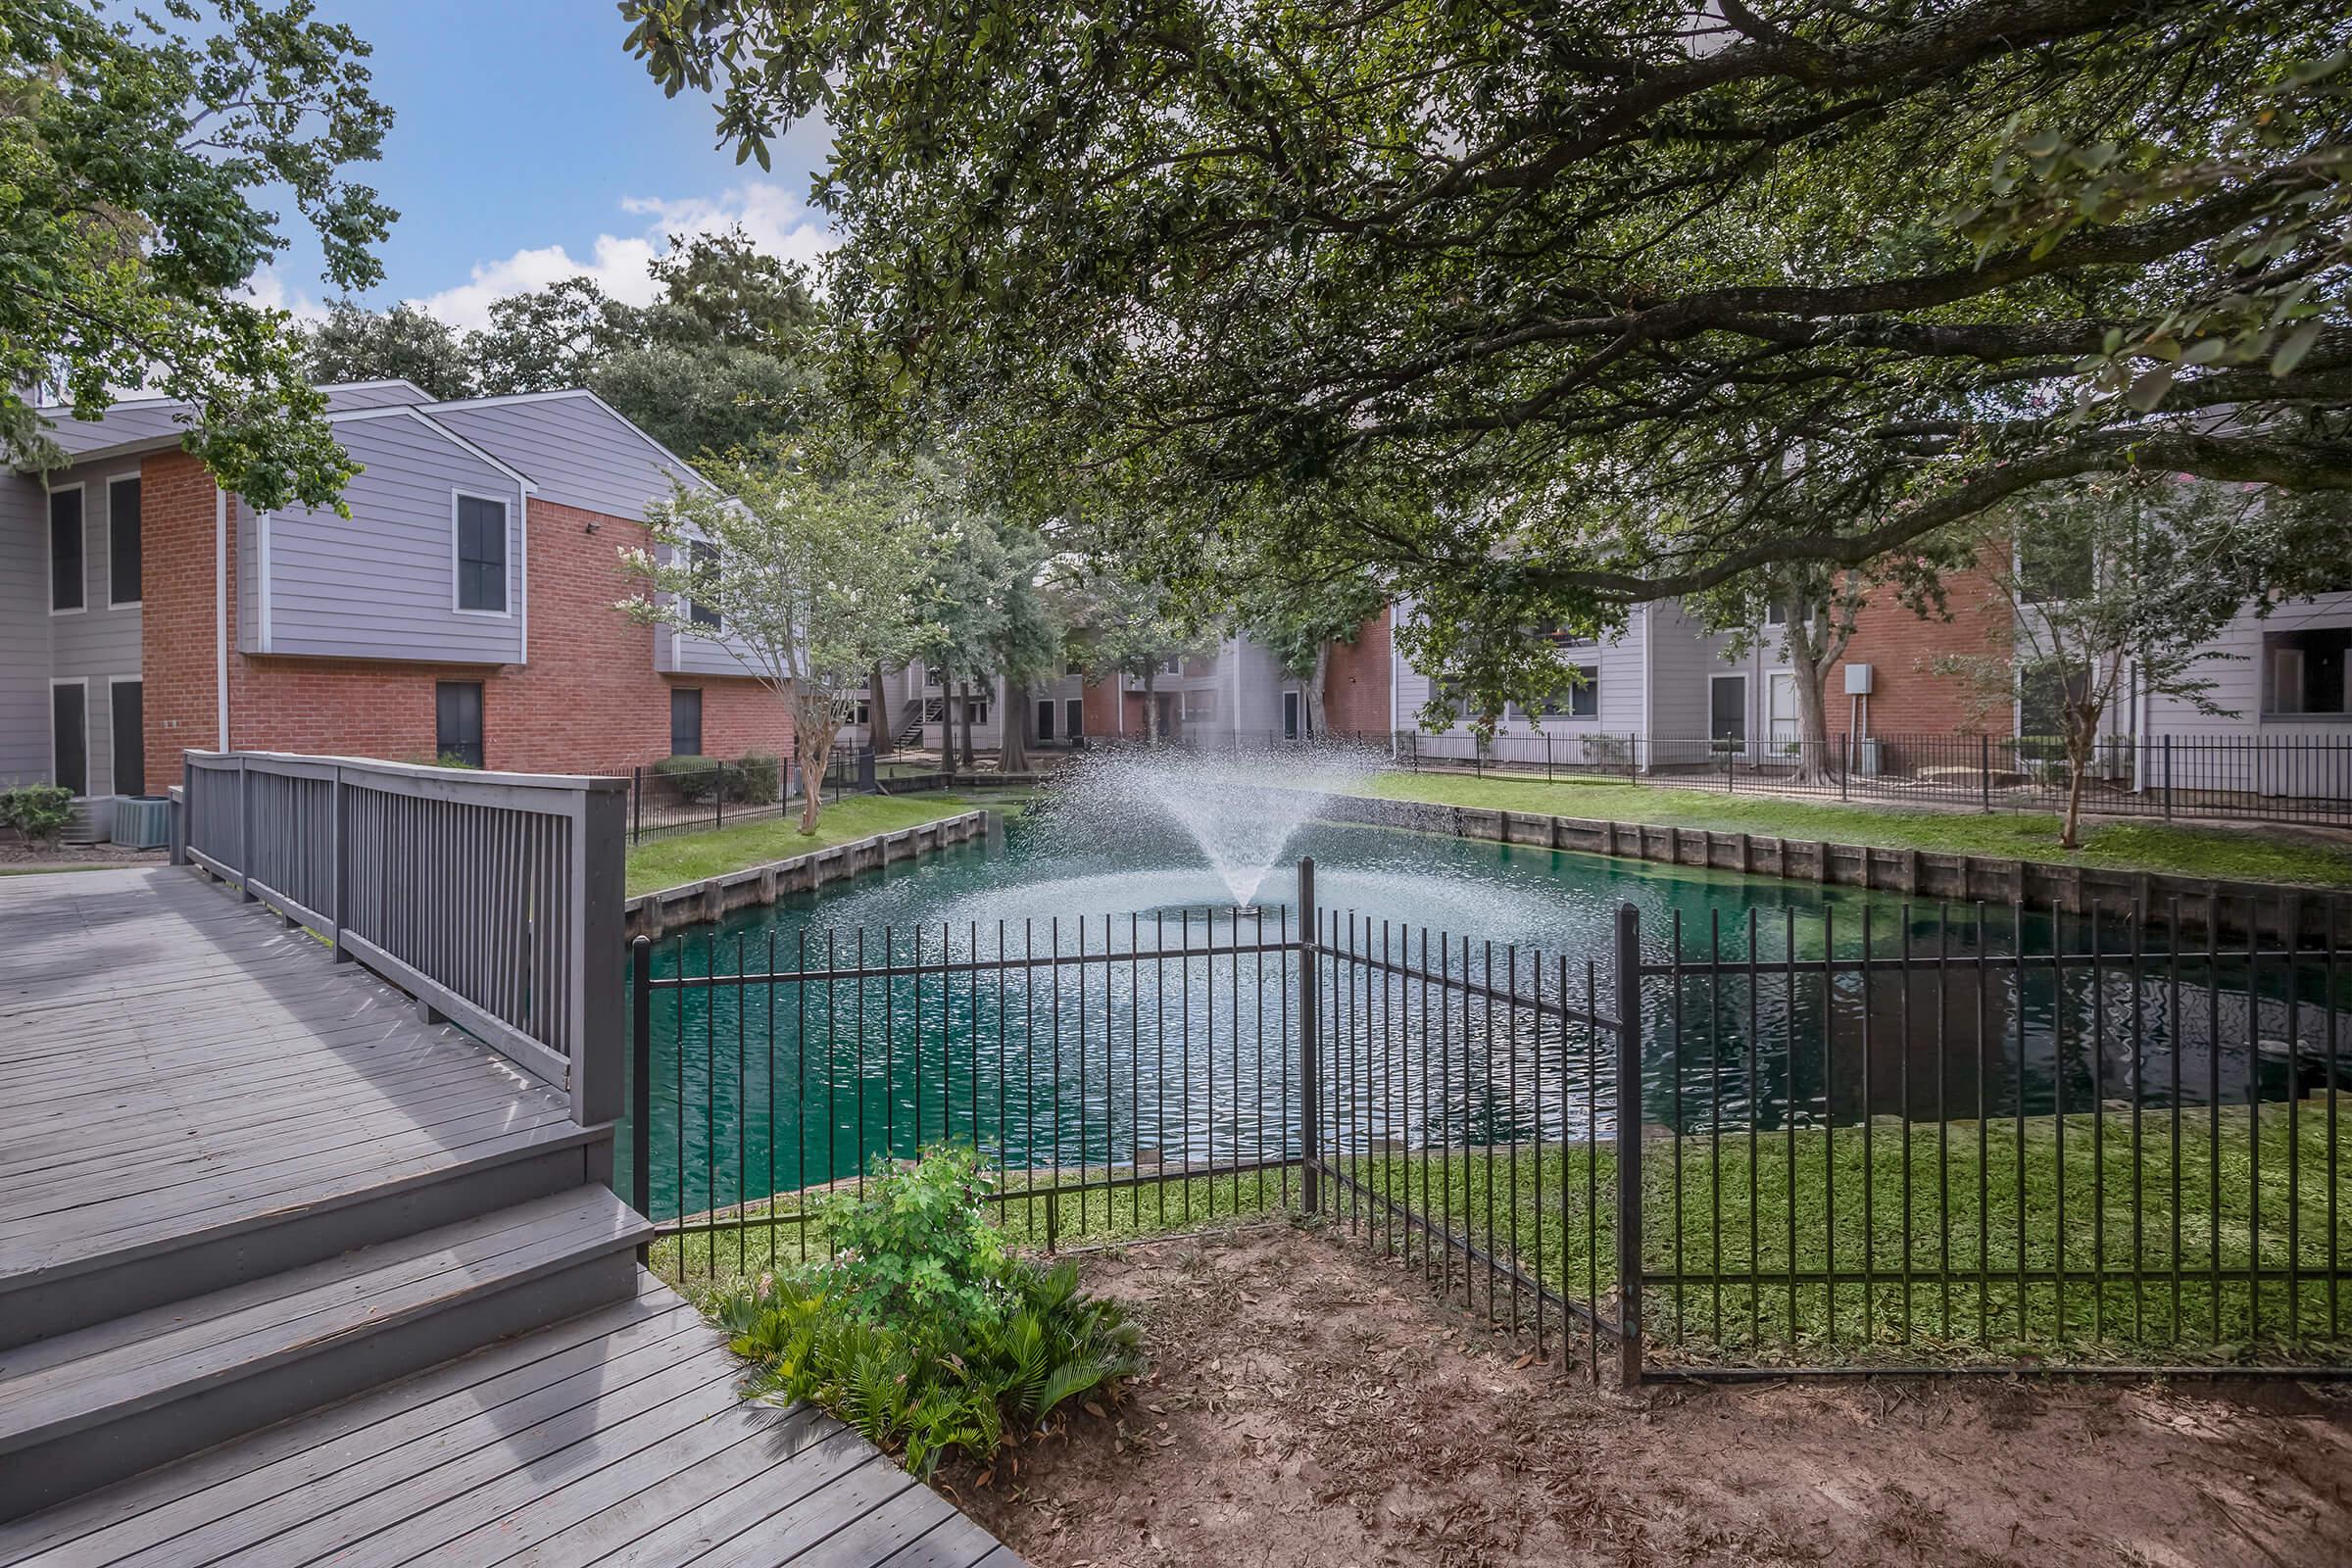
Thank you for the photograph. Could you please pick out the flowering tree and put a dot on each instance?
(813, 573)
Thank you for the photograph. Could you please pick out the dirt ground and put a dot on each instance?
(1310, 1405)
(17, 856)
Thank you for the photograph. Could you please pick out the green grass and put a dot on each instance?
(680, 858)
(2253, 854)
(1554, 1208)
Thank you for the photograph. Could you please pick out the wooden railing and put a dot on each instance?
(494, 899)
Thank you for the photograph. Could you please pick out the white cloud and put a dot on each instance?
(776, 221)
(269, 290)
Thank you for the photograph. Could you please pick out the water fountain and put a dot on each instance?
(1239, 810)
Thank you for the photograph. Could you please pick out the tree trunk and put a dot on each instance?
(1150, 704)
(1012, 751)
(1314, 690)
(814, 725)
(877, 714)
(2081, 743)
(1808, 672)
(947, 724)
(971, 757)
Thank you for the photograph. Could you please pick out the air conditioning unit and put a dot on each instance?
(142, 822)
(1868, 758)
(92, 821)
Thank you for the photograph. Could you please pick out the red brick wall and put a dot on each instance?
(1102, 699)
(1355, 683)
(589, 700)
(1908, 698)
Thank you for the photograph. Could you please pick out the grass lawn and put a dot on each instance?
(2102, 1282)
(680, 858)
(2253, 854)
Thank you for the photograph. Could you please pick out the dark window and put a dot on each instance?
(2303, 672)
(1073, 717)
(1726, 709)
(705, 565)
(1045, 720)
(685, 721)
(64, 550)
(2051, 571)
(481, 554)
(129, 719)
(70, 736)
(1578, 700)
(458, 722)
(123, 542)
(2041, 697)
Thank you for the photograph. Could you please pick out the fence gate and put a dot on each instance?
(1874, 1137)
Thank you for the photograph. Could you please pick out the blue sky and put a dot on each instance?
(528, 146)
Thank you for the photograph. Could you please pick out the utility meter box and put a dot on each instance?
(1857, 681)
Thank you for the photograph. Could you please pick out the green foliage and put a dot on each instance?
(39, 812)
(358, 344)
(923, 1331)
(1540, 311)
(136, 149)
(754, 778)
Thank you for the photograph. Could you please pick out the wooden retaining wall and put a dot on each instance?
(650, 914)
(2278, 911)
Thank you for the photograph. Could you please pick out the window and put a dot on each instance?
(975, 709)
(685, 721)
(1580, 699)
(70, 734)
(2041, 699)
(2303, 673)
(706, 565)
(1045, 720)
(481, 555)
(1200, 707)
(123, 542)
(1726, 709)
(129, 719)
(1073, 717)
(1171, 667)
(65, 551)
(2051, 571)
(458, 722)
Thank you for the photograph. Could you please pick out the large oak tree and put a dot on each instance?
(1591, 303)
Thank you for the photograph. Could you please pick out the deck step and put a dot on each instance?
(215, 1230)
(80, 1409)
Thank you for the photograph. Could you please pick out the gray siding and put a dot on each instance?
(577, 452)
(24, 632)
(102, 641)
(381, 584)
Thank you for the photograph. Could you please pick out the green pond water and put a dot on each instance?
(1176, 1039)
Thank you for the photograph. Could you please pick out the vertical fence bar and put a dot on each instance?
(1629, 1145)
(641, 1079)
(1310, 1022)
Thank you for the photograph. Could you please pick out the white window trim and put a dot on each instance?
(83, 681)
(114, 757)
(261, 536)
(505, 508)
(112, 480)
(49, 547)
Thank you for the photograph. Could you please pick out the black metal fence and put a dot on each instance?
(2265, 778)
(1939, 1139)
(698, 794)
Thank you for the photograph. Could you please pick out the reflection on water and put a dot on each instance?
(1454, 1012)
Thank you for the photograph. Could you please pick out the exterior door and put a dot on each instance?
(1781, 695)
(1290, 715)
(129, 719)
(1073, 713)
(1727, 710)
(1045, 720)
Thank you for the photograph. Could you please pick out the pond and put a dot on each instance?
(1167, 1031)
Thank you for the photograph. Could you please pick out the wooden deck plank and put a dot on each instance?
(954, 1542)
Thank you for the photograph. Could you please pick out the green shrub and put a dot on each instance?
(39, 812)
(753, 778)
(695, 779)
(923, 1331)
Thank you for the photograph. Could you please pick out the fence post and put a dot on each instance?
(637, 804)
(339, 909)
(1629, 1145)
(1846, 765)
(1310, 1181)
(245, 894)
(598, 871)
(1985, 772)
(718, 795)
(641, 1080)
(2167, 778)
(1548, 756)
(181, 819)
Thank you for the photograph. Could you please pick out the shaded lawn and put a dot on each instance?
(681, 857)
(2262, 852)
(2105, 1278)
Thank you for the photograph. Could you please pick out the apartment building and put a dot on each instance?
(464, 610)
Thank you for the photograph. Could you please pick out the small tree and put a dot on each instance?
(1808, 610)
(1301, 621)
(2115, 585)
(1122, 625)
(813, 573)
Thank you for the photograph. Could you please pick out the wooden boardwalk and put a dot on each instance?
(254, 1201)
